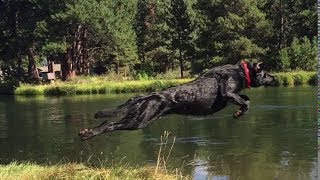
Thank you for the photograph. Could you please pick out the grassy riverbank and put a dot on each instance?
(95, 85)
(101, 85)
(296, 78)
(68, 170)
(79, 171)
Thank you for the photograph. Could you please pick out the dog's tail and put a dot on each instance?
(118, 111)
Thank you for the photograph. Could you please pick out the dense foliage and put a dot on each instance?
(153, 36)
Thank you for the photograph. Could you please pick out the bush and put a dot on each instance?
(142, 76)
(301, 55)
(296, 78)
(172, 74)
(288, 80)
(285, 61)
(8, 85)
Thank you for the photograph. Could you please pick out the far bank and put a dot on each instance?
(102, 85)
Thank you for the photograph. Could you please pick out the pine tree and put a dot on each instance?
(141, 28)
(230, 31)
(180, 25)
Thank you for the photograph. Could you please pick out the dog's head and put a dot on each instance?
(261, 77)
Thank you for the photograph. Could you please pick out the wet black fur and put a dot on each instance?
(206, 94)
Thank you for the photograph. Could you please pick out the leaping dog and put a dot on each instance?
(206, 94)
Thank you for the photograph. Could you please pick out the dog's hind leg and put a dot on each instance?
(118, 111)
(102, 128)
(139, 115)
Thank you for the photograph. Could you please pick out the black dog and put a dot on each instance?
(207, 94)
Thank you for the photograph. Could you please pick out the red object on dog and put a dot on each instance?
(244, 65)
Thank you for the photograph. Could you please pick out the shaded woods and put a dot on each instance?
(152, 36)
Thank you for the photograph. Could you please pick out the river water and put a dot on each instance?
(276, 139)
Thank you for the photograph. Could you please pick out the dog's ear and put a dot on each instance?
(260, 66)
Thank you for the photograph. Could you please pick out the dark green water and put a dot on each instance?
(275, 140)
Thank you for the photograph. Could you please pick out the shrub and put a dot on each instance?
(301, 55)
(296, 78)
(142, 76)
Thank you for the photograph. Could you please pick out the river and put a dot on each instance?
(276, 139)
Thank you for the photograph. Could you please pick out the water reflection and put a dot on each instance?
(275, 140)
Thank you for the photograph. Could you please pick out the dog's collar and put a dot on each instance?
(246, 70)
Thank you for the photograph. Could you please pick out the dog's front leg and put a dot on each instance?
(91, 132)
(241, 100)
(229, 88)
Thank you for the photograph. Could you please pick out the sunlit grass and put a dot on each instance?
(31, 171)
(160, 170)
(98, 86)
(296, 78)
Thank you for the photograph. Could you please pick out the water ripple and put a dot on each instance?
(199, 141)
(274, 107)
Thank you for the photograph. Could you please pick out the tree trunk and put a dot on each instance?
(282, 35)
(142, 58)
(80, 54)
(66, 66)
(85, 57)
(32, 69)
(180, 57)
(281, 38)
(78, 51)
(50, 63)
(13, 22)
(20, 71)
(181, 64)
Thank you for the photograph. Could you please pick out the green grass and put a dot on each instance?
(104, 85)
(31, 171)
(97, 86)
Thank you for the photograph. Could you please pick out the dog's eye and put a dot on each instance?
(264, 75)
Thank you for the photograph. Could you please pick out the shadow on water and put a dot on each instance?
(275, 140)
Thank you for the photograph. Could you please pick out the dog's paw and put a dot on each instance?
(238, 113)
(86, 134)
